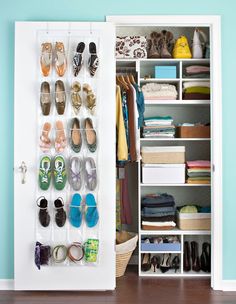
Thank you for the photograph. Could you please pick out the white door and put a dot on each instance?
(97, 273)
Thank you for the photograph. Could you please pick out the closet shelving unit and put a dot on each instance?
(196, 148)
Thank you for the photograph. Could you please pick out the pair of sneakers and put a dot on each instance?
(57, 167)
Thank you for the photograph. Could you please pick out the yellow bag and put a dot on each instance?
(181, 48)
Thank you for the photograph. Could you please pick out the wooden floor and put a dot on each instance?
(131, 289)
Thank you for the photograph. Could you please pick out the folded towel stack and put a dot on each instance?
(159, 91)
(158, 212)
(199, 172)
(196, 90)
(159, 126)
(197, 71)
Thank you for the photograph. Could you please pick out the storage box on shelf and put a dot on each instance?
(194, 221)
(193, 131)
(166, 72)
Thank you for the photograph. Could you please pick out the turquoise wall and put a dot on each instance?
(77, 10)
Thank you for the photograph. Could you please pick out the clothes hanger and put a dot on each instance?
(122, 81)
(131, 78)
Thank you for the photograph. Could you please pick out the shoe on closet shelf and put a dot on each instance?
(206, 257)
(165, 42)
(187, 263)
(60, 140)
(76, 100)
(75, 171)
(75, 135)
(195, 257)
(78, 58)
(60, 215)
(90, 135)
(44, 217)
(175, 263)
(146, 262)
(45, 172)
(90, 98)
(91, 213)
(75, 214)
(155, 262)
(165, 262)
(45, 142)
(93, 61)
(46, 58)
(153, 45)
(60, 59)
(45, 98)
(59, 172)
(60, 97)
(90, 173)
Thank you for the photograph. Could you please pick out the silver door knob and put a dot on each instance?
(23, 170)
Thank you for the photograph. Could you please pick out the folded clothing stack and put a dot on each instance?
(199, 172)
(197, 71)
(196, 90)
(158, 212)
(159, 126)
(159, 91)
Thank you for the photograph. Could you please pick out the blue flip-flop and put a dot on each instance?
(75, 215)
(91, 215)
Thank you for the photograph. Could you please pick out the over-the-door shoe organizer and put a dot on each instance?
(67, 196)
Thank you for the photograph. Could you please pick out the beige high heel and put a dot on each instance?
(46, 58)
(90, 99)
(60, 59)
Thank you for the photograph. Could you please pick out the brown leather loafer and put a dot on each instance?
(60, 97)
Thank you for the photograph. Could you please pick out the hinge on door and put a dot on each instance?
(23, 170)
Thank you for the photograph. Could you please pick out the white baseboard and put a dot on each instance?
(229, 285)
(6, 284)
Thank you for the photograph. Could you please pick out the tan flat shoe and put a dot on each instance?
(76, 139)
(45, 98)
(60, 59)
(75, 97)
(60, 97)
(90, 135)
(46, 58)
(90, 99)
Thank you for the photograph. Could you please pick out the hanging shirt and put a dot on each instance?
(122, 148)
(140, 104)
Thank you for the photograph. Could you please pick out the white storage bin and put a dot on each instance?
(163, 155)
(163, 173)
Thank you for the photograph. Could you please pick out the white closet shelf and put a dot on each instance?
(196, 79)
(175, 231)
(167, 80)
(177, 102)
(202, 60)
(171, 273)
(175, 185)
(161, 252)
(174, 139)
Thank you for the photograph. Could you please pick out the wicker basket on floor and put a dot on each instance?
(122, 261)
(124, 252)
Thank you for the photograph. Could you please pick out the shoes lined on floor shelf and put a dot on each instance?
(193, 261)
(163, 262)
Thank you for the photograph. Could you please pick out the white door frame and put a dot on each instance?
(214, 22)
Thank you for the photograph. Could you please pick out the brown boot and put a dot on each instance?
(153, 45)
(165, 42)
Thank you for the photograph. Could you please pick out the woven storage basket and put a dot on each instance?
(122, 261)
(123, 254)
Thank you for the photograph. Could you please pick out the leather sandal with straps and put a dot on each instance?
(44, 217)
(45, 142)
(90, 98)
(78, 58)
(60, 141)
(60, 215)
(93, 61)
(46, 58)
(60, 59)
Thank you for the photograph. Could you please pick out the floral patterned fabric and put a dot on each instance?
(131, 47)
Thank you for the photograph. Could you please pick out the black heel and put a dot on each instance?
(176, 263)
(155, 262)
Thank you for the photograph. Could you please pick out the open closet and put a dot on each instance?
(176, 179)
